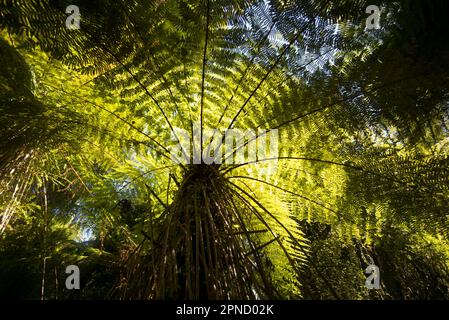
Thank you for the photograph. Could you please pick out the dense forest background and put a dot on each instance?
(88, 117)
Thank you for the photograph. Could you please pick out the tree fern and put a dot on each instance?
(361, 137)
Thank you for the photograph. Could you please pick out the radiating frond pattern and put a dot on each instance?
(90, 117)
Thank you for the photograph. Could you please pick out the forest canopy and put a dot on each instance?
(213, 149)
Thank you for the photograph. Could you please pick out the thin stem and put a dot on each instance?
(203, 76)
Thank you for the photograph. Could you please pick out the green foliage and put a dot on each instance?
(88, 118)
